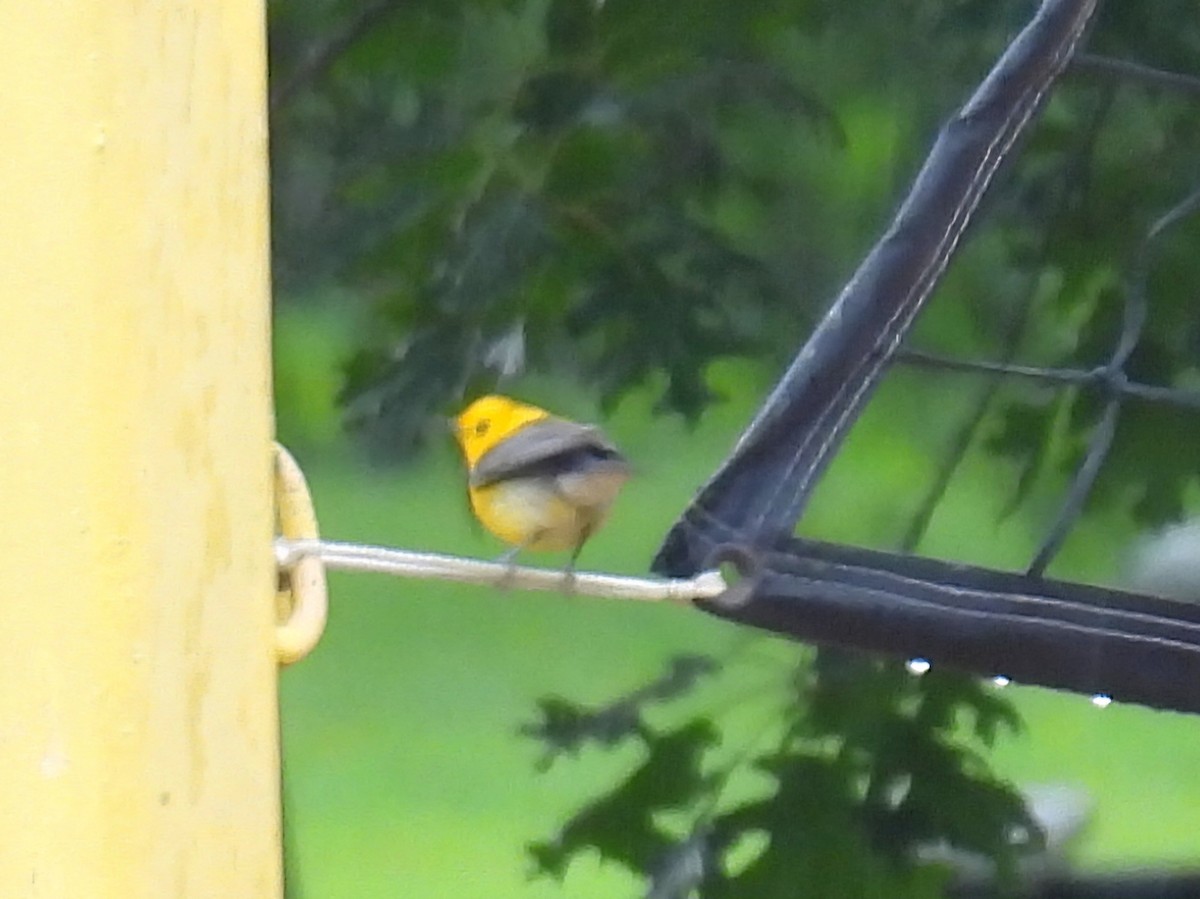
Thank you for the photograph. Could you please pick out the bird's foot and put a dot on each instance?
(508, 559)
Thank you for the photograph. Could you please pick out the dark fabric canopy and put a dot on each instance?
(1023, 626)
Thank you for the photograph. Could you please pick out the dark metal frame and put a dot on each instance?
(1088, 639)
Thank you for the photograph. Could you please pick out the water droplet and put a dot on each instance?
(1020, 836)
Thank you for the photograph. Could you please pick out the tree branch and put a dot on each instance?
(320, 57)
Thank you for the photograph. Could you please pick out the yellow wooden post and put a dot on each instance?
(138, 732)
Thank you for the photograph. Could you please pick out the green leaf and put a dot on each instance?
(620, 825)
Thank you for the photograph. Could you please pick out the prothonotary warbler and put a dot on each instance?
(537, 481)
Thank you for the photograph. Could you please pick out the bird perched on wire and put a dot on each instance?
(537, 481)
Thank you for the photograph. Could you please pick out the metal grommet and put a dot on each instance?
(302, 600)
(748, 567)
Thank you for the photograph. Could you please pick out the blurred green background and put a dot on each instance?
(633, 212)
(405, 773)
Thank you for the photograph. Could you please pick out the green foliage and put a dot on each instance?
(620, 825)
(567, 728)
(572, 176)
(1110, 158)
(629, 191)
(870, 765)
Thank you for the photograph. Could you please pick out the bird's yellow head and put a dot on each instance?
(489, 420)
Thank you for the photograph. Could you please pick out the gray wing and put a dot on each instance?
(543, 447)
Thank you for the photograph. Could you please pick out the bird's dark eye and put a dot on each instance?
(481, 427)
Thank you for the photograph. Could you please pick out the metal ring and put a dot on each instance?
(302, 601)
(748, 566)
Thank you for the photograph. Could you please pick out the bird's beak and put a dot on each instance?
(452, 426)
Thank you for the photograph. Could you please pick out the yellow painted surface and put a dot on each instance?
(138, 731)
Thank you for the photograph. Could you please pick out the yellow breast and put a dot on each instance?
(530, 513)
